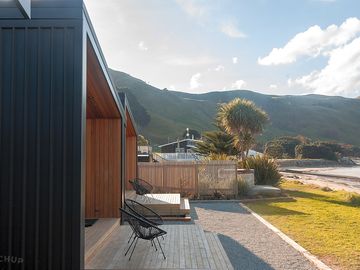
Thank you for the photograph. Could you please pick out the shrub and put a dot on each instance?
(314, 151)
(353, 199)
(243, 188)
(283, 147)
(350, 150)
(335, 147)
(265, 169)
(274, 150)
(289, 144)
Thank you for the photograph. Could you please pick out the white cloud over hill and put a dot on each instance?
(340, 44)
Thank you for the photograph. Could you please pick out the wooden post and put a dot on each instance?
(236, 181)
(196, 180)
(162, 175)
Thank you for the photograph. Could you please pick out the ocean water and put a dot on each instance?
(344, 171)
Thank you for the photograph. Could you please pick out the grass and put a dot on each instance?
(326, 223)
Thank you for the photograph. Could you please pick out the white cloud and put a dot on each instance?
(172, 87)
(219, 68)
(234, 60)
(142, 46)
(192, 7)
(273, 86)
(341, 76)
(194, 81)
(238, 84)
(290, 82)
(189, 61)
(313, 42)
(231, 30)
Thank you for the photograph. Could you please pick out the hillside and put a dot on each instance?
(163, 114)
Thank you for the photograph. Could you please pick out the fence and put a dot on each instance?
(179, 156)
(210, 178)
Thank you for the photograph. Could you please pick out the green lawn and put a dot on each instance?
(324, 223)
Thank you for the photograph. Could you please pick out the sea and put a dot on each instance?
(340, 171)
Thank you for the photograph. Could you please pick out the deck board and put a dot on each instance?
(185, 246)
(96, 234)
(158, 198)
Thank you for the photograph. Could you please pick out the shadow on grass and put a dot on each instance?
(271, 210)
(240, 257)
(318, 197)
(306, 195)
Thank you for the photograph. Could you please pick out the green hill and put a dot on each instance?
(163, 114)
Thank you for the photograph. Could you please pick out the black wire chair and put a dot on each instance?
(140, 186)
(142, 211)
(143, 229)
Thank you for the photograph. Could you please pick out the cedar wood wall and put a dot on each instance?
(103, 168)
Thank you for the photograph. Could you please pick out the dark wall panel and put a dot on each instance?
(43, 9)
(41, 145)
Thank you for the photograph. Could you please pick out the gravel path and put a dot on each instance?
(248, 243)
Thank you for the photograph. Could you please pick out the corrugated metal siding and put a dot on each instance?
(40, 145)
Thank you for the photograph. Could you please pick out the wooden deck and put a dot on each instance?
(168, 205)
(96, 235)
(185, 246)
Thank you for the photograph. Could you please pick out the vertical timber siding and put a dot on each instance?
(131, 159)
(103, 168)
(41, 143)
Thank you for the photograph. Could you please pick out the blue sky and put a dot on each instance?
(268, 46)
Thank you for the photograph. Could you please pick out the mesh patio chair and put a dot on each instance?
(141, 187)
(141, 210)
(143, 229)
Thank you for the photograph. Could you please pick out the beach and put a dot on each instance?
(337, 178)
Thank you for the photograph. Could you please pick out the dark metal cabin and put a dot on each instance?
(62, 134)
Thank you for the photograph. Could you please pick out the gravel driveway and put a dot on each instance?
(248, 243)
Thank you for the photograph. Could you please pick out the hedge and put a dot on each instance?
(314, 151)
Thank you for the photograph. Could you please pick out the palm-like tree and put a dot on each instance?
(216, 142)
(244, 120)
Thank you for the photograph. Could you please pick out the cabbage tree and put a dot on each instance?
(244, 120)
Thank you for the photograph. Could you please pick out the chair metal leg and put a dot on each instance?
(150, 197)
(130, 245)
(161, 248)
(146, 198)
(152, 241)
(133, 248)
(131, 237)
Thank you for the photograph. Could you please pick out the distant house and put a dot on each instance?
(179, 146)
(144, 153)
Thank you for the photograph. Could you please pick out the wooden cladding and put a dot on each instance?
(100, 101)
(103, 168)
(130, 129)
(131, 151)
(130, 159)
